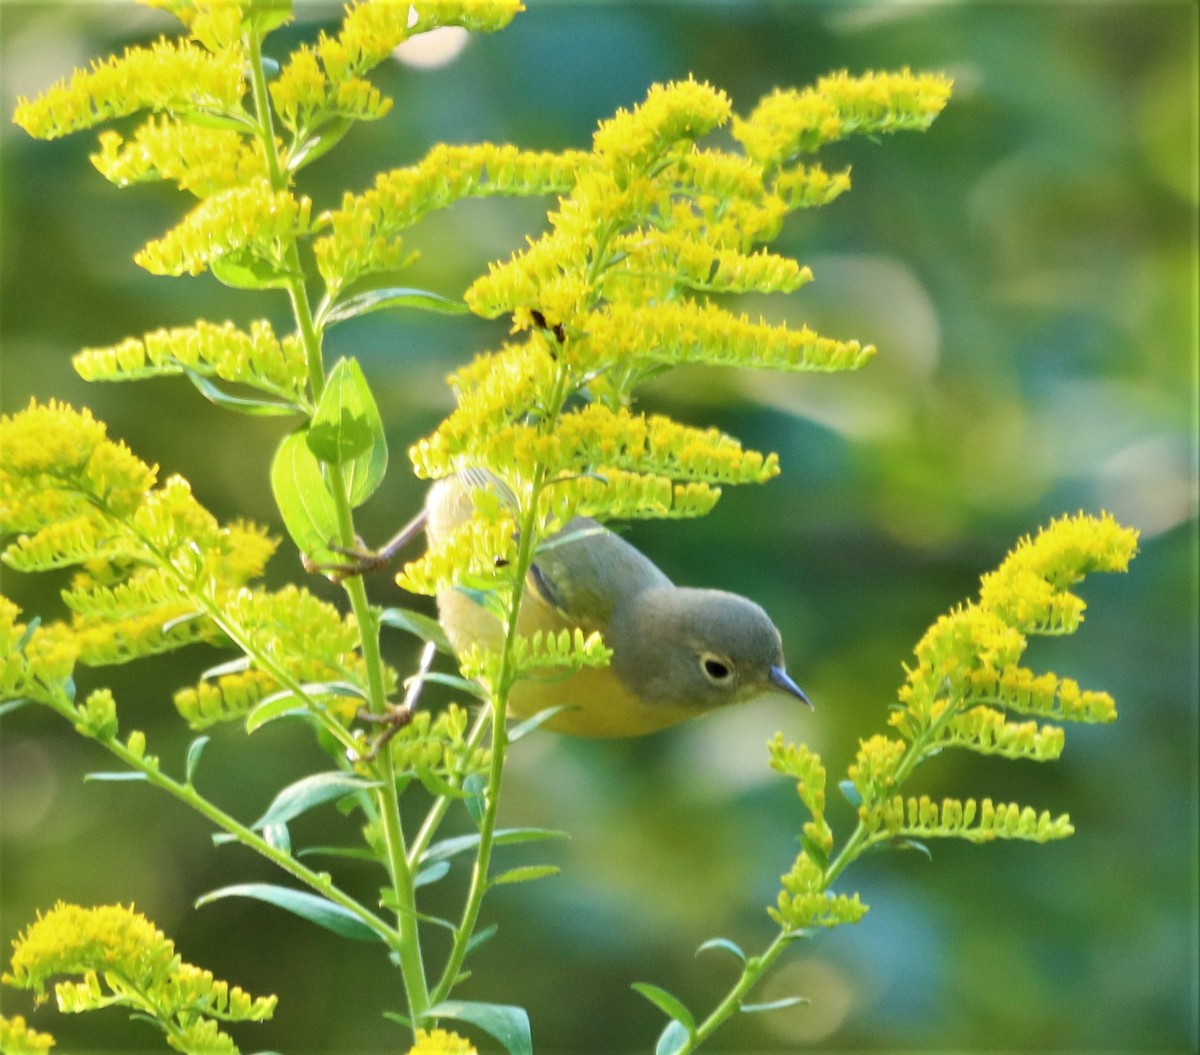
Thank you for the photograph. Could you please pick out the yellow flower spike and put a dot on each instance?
(16, 1038)
(256, 357)
(173, 76)
(671, 112)
(788, 122)
(251, 217)
(440, 1042)
(199, 160)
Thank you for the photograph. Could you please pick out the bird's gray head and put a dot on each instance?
(697, 648)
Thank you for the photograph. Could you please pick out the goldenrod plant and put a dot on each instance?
(651, 227)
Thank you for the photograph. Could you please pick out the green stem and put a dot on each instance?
(320, 882)
(755, 968)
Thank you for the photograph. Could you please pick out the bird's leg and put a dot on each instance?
(361, 559)
(396, 716)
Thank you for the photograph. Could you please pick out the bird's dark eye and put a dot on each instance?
(717, 670)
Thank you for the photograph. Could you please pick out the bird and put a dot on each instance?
(678, 652)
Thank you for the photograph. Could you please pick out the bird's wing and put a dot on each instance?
(585, 569)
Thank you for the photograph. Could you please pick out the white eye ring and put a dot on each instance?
(715, 668)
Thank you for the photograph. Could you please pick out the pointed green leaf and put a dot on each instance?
(773, 1005)
(308, 792)
(312, 907)
(508, 1024)
(525, 874)
(243, 270)
(385, 299)
(437, 870)
(815, 851)
(12, 705)
(418, 624)
(480, 937)
(346, 430)
(303, 498)
(278, 836)
(242, 404)
(850, 793)
(195, 750)
(283, 704)
(666, 1002)
(472, 688)
(350, 853)
(117, 778)
(672, 1039)
(722, 943)
(330, 134)
(912, 844)
(474, 787)
(536, 721)
(503, 837)
(234, 666)
(395, 1016)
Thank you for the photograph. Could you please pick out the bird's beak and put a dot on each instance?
(779, 678)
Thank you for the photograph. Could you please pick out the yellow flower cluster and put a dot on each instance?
(922, 818)
(199, 160)
(16, 1038)
(257, 358)
(251, 217)
(873, 770)
(364, 230)
(1018, 689)
(70, 939)
(304, 96)
(35, 661)
(631, 141)
(804, 902)
(544, 653)
(974, 650)
(804, 764)
(217, 24)
(173, 76)
(58, 464)
(433, 747)
(121, 958)
(475, 555)
(440, 1042)
(789, 122)
(223, 698)
(985, 731)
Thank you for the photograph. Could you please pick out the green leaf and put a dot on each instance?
(850, 793)
(474, 786)
(312, 907)
(427, 876)
(242, 404)
(284, 704)
(395, 1016)
(773, 1005)
(536, 721)
(234, 666)
(117, 778)
(508, 1024)
(472, 688)
(303, 498)
(458, 844)
(417, 624)
(385, 299)
(671, 1005)
(912, 844)
(350, 853)
(672, 1039)
(815, 851)
(722, 943)
(480, 937)
(278, 836)
(262, 16)
(304, 794)
(12, 705)
(242, 269)
(525, 874)
(320, 142)
(195, 750)
(346, 430)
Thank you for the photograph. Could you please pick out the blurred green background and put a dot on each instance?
(1028, 271)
